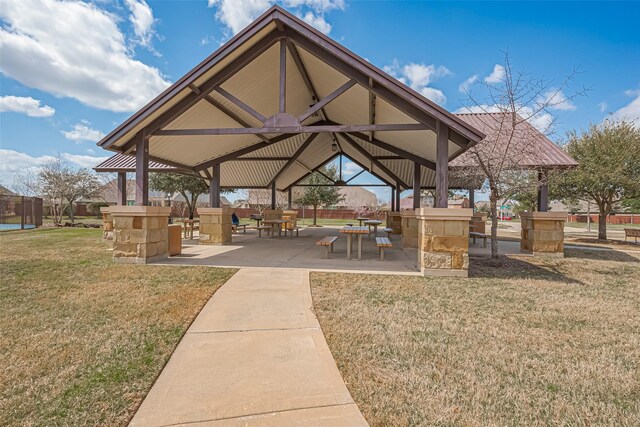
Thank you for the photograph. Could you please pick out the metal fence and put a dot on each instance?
(20, 212)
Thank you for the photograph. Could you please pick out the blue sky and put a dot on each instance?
(67, 69)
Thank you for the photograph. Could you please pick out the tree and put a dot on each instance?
(190, 187)
(516, 102)
(609, 167)
(61, 186)
(320, 191)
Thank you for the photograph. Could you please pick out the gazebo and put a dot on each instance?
(271, 106)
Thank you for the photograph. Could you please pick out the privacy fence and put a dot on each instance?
(20, 212)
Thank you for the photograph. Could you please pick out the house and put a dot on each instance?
(4, 191)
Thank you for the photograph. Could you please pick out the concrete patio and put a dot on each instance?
(247, 250)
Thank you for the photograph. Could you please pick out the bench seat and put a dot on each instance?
(327, 242)
(631, 232)
(267, 228)
(383, 242)
(475, 235)
(388, 231)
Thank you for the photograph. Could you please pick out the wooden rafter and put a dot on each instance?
(295, 156)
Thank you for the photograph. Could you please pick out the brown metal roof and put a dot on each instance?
(535, 149)
(127, 163)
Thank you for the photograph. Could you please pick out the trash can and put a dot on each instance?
(175, 239)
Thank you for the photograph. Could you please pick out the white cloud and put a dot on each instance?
(418, 77)
(465, 85)
(556, 100)
(497, 75)
(603, 106)
(350, 169)
(237, 14)
(85, 58)
(630, 111)
(141, 18)
(26, 105)
(14, 163)
(82, 132)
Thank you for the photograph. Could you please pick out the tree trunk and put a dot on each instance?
(493, 202)
(315, 214)
(71, 216)
(602, 222)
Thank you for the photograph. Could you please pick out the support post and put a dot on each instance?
(442, 167)
(398, 191)
(142, 170)
(416, 185)
(122, 189)
(393, 199)
(273, 195)
(283, 75)
(543, 191)
(472, 199)
(214, 187)
(289, 204)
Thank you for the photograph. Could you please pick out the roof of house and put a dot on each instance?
(6, 192)
(529, 148)
(228, 110)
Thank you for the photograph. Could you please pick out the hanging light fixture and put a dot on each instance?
(334, 147)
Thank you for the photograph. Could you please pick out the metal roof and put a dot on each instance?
(126, 163)
(184, 125)
(529, 148)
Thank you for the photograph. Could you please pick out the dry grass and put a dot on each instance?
(539, 342)
(82, 338)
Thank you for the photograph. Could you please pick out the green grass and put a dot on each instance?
(594, 225)
(528, 342)
(83, 338)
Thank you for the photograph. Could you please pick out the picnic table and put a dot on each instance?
(257, 219)
(275, 223)
(350, 232)
(360, 219)
(375, 223)
(189, 225)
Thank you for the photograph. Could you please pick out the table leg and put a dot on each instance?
(359, 246)
(348, 246)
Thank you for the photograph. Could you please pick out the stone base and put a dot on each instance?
(394, 222)
(107, 223)
(543, 233)
(215, 226)
(409, 229)
(140, 234)
(443, 241)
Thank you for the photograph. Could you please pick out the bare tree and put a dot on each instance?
(518, 109)
(260, 199)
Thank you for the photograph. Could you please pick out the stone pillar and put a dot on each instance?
(107, 223)
(478, 223)
(543, 232)
(443, 246)
(215, 226)
(409, 229)
(394, 222)
(141, 233)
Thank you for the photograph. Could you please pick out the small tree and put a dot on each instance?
(318, 193)
(190, 187)
(514, 102)
(609, 167)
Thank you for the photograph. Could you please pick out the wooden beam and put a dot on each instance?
(372, 110)
(214, 187)
(211, 100)
(283, 76)
(289, 199)
(295, 156)
(290, 129)
(273, 195)
(303, 71)
(472, 198)
(366, 154)
(392, 148)
(356, 175)
(416, 185)
(238, 103)
(142, 169)
(327, 99)
(398, 191)
(122, 189)
(442, 166)
(543, 191)
(217, 79)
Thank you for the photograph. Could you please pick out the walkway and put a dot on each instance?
(255, 355)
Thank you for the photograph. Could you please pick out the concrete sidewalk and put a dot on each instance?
(255, 355)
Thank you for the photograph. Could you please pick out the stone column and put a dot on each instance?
(478, 223)
(215, 226)
(394, 221)
(141, 233)
(443, 246)
(409, 229)
(543, 232)
(107, 223)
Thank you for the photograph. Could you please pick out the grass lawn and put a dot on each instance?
(83, 339)
(538, 342)
(594, 226)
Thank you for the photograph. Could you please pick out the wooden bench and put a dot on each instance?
(388, 231)
(267, 228)
(383, 242)
(327, 242)
(631, 232)
(474, 235)
(235, 227)
(292, 230)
